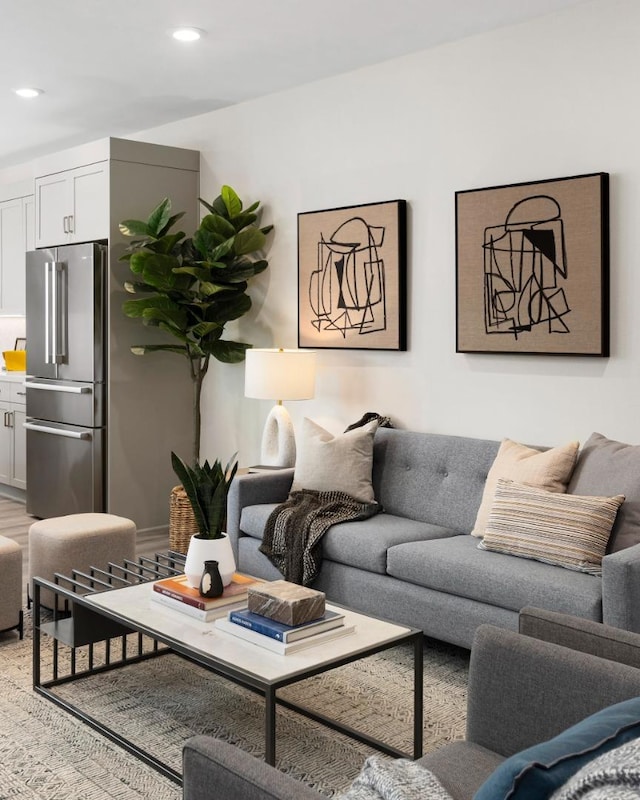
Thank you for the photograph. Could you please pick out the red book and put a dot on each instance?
(178, 588)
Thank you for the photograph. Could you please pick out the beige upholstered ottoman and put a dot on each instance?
(77, 541)
(11, 594)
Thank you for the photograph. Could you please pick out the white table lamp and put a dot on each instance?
(278, 374)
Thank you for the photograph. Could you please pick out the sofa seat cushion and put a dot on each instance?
(456, 566)
(461, 767)
(363, 544)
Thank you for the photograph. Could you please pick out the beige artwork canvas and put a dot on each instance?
(352, 277)
(532, 267)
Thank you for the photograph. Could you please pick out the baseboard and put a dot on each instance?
(12, 493)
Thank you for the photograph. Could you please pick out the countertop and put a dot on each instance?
(12, 377)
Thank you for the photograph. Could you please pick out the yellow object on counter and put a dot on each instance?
(16, 360)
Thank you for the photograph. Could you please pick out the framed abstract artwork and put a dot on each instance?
(352, 277)
(532, 267)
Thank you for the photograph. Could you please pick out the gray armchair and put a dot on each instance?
(524, 688)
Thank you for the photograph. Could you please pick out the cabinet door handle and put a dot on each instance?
(70, 223)
(65, 224)
(6, 419)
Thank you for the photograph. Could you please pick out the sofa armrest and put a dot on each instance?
(584, 635)
(523, 691)
(253, 489)
(215, 769)
(621, 589)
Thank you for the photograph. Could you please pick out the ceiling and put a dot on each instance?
(110, 67)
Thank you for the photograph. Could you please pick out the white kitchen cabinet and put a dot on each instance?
(73, 205)
(16, 237)
(13, 442)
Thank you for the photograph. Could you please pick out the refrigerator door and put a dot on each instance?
(65, 312)
(64, 469)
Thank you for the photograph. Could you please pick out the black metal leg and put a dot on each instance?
(418, 700)
(36, 636)
(270, 727)
(21, 625)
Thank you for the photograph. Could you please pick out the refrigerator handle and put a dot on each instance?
(47, 312)
(55, 387)
(57, 313)
(30, 426)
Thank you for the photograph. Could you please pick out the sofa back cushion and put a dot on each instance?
(608, 467)
(431, 477)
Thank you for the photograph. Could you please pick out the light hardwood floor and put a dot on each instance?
(15, 523)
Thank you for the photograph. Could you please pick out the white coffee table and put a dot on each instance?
(132, 609)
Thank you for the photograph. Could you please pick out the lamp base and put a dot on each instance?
(278, 447)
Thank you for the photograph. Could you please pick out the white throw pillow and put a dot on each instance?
(342, 463)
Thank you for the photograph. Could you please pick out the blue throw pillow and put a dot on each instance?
(537, 772)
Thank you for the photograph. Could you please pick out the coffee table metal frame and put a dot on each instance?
(86, 625)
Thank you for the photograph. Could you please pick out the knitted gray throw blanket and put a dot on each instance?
(293, 533)
(395, 780)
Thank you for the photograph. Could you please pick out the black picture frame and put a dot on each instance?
(352, 277)
(532, 267)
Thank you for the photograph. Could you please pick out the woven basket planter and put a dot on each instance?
(182, 523)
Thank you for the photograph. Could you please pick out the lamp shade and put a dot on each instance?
(272, 374)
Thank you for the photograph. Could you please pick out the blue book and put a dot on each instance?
(280, 631)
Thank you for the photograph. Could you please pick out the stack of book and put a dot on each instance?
(280, 637)
(176, 593)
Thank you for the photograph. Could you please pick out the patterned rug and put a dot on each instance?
(46, 753)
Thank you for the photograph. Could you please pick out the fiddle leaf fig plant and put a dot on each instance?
(207, 487)
(191, 287)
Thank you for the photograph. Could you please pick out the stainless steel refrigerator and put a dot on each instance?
(66, 409)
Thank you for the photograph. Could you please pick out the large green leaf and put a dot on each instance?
(201, 273)
(234, 308)
(141, 349)
(133, 287)
(165, 244)
(248, 241)
(205, 328)
(159, 217)
(160, 264)
(239, 272)
(242, 220)
(232, 202)
(134, 227)
(217, 224)
(217, 206)
(228, 352)
(222, 250)
(170, 223)
(156, 307)
(207, 288)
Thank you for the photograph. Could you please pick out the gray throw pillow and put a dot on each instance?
(342, 463)
(607, 467)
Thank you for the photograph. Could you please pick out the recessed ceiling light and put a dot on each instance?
(28, 92)
(187, 34)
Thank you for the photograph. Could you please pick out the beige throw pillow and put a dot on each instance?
(336, 463)
(544, 469)
(567, 530)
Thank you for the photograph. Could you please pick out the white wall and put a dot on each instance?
(550, 98)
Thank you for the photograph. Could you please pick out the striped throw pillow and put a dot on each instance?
(568, 530)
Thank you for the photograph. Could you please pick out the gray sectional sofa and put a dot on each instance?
(416, 563)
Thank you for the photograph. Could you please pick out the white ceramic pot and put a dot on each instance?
(201, 550)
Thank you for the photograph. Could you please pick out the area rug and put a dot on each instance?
(46, 753)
